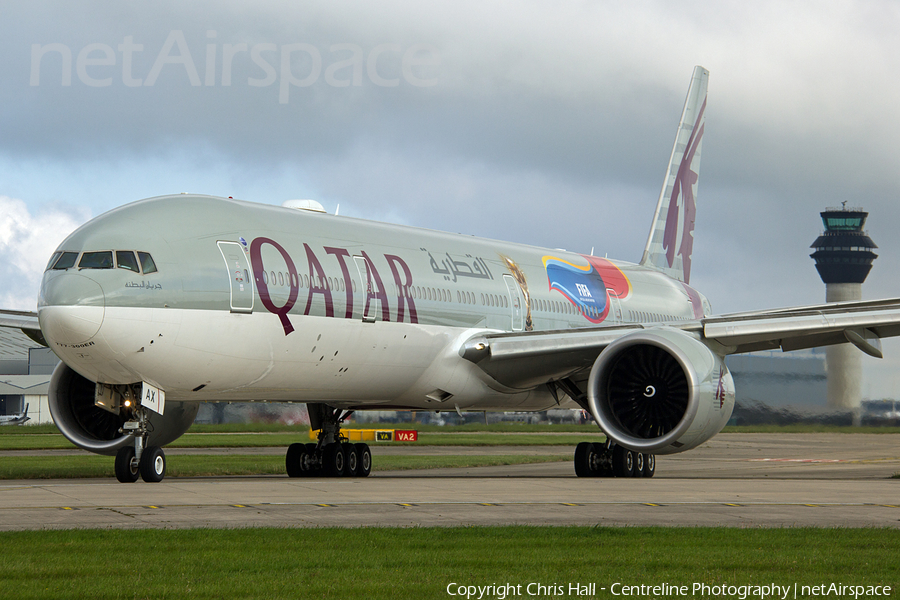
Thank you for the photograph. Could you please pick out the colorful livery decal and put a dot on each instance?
(588, 287)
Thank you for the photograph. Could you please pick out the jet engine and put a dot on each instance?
(660, 391)
(95, 429)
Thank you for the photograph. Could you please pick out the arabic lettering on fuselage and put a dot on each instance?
(373, 284)
(452, 269)
(144, 285)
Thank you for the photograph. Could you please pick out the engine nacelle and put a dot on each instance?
(94, 429)
(660, 391)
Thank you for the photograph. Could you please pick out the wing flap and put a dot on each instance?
(807, 327)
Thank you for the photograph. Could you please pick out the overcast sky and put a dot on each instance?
(543, 123)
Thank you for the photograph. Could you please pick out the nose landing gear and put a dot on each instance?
(148, 463)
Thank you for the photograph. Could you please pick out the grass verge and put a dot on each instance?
(199, 465)
(263, 440)
(422, 562)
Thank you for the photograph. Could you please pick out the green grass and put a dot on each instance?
(808, 429)
(263, 440)
(37, 437)
(418, 563)
(90, 465)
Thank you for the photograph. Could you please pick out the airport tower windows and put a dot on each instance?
(96, 260)
(147, 264)
(125, 259)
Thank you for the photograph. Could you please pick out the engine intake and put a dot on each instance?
(94, 429)
(660, 391)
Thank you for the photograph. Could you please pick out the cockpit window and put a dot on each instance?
(96, 260)
(125, 260)
(53, 259)
(147, 262)
(65, 261)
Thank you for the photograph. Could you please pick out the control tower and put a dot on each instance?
(843, 255)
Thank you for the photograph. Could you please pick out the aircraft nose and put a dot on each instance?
(71, 309)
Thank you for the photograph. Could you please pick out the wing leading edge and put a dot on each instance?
(24, 320)
(527, 359)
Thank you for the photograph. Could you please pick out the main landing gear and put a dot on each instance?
(611, 460)
(332, 455)
(140, 460)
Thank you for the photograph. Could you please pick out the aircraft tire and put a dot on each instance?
(605, 466)
(293, 460)
(351, 459)
(364, 460)
(639, 459)
(649, 465)
(153, 464)
(333, 460)
(623, 462)
(126, 472)
(584, 451)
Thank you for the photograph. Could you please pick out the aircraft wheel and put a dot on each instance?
(649, 465)
(584, 452)
(333, 460)
(364, 460)
(639, 461)
(126, 467)
(153, 464)
(293, 460)
(312, 467)
(351, 459)
(623, 462)
(605, 466)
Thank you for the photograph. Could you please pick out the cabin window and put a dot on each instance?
(125, 259)
(147, 264)
(96, 260)
(65, 261)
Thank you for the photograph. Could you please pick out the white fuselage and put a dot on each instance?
(305, 307)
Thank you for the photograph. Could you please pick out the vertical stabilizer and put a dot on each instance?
(671, 239)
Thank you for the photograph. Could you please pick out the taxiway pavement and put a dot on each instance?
(736, 480)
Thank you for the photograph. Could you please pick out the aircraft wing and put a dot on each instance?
(526, 359)
(24, 320)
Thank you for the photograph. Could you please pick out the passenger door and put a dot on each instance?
(240, 274)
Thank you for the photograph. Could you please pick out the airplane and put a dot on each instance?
(167, 302)
(18, 419)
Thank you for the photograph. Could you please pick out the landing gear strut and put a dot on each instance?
(611, 460)
(333, 455)
(140, 460)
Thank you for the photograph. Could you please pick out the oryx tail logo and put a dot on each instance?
(683, 190)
